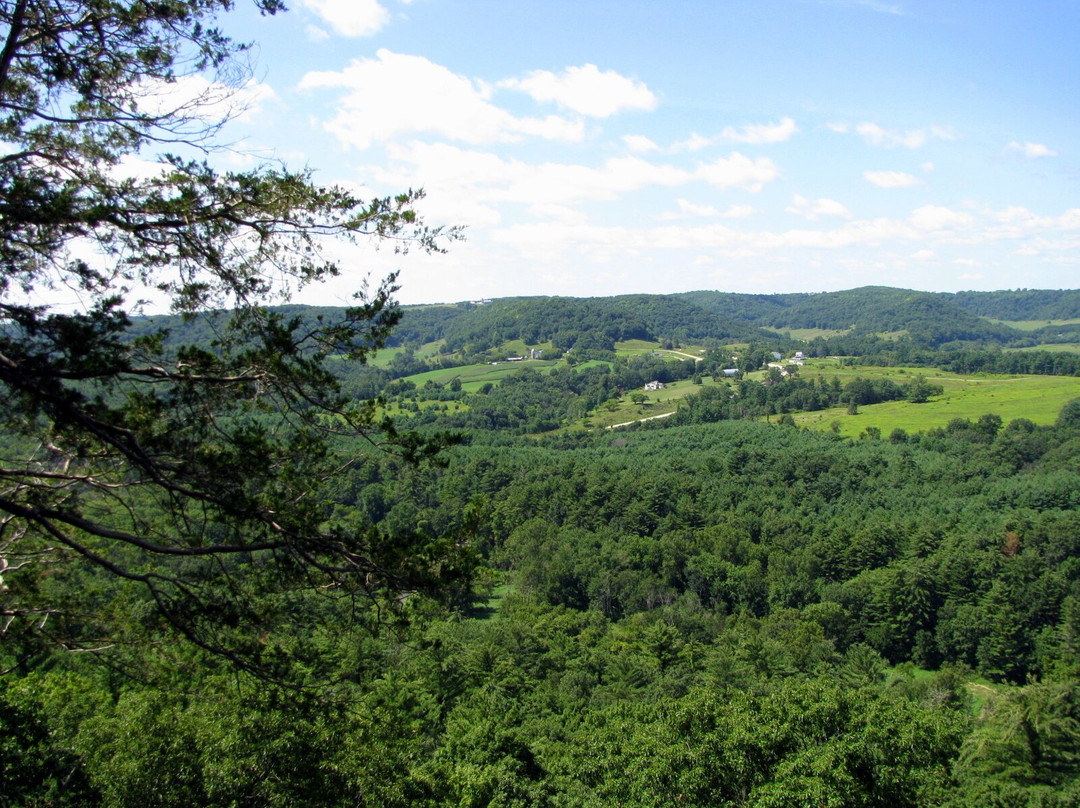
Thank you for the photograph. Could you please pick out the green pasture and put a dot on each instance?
(430, 349)
(637, 347)
(473, 377)
(384, 356)
(659, 402)
(807, 334)
(1037, 398)
(1032, 325)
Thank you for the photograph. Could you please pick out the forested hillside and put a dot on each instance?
(918, 320)
(1021, 304)
(728, 614)
(926, 319)
(722, 611)
(640, 551)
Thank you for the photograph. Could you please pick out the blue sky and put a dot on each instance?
(595, 148)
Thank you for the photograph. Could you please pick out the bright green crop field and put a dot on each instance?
(1037, 398)
(473, 377)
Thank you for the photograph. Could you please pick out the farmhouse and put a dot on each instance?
(651, 386)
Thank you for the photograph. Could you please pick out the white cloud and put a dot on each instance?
(639, 144)
(922, 255)
(553, 240)
(762, 132)
(138, 168)
(890, 179)
(739, 171)
(479, 177)
(395, 94)
(876, 135)
(688, 209)
(585, 90)
(840, 127)
(350, 17)
(966, 262)
(202, 100)
(936, 217)
(801, 206)
(1032, 150)
(694, 143)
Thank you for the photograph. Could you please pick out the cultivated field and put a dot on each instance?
(1037, 398)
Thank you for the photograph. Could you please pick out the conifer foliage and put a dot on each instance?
(170, 466)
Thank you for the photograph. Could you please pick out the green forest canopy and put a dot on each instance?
(227, 581)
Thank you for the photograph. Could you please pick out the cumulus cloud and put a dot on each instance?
(586, 90)
(1032, 150)
(877, 135)
(694, 143)
(936, 217)
(554, 239)
(762, 132)
(639, 143)
(925, 229)
(689, 209)
(801, 206)
(395, 94)
(475, 175)
(350, 17)
(203, 101)
(739, 171)
(890, 179)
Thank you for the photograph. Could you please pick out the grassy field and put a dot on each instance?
(659, 403)
(1037, 398)
(637, 347)
(807, 334)
(1032, 325)
(385, 356)
(473, 377)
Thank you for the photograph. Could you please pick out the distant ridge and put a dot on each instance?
(925, 319)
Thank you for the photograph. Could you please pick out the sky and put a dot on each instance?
(758, 146)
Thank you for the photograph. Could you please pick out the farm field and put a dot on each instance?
(660, 403)
(1037, 398)
(807, 334)
(384, 356)
(473, 377)
(637, 347)
(1033, 325)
